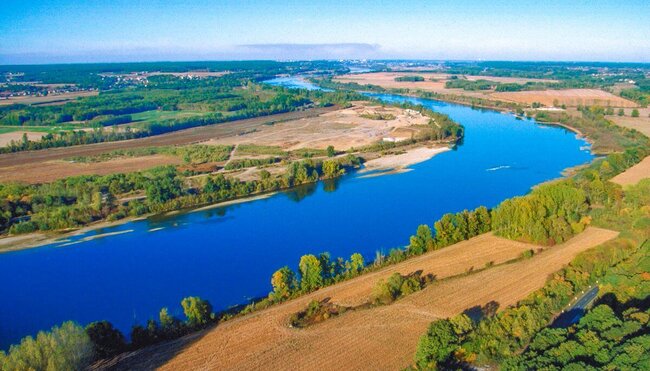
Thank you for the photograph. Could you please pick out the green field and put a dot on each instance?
(156, 115)
(38, 129)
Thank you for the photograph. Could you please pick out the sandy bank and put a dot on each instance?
(403, 160)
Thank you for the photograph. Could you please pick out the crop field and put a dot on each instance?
(155, 115)
(634, 174)
(16, 134)
(569, 97)
(181, 137)
(48, 99)
(383, 337)
(641, 123)
(52, 170)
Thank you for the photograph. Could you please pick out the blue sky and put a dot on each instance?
(34, 31)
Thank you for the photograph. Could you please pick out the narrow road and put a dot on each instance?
(181, 137)
(574, 312)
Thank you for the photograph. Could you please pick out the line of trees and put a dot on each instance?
(77, 201)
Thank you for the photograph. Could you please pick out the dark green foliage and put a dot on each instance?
(411, 78)
(107, 340)
(437, 345)
(603, 339)
(470, 85)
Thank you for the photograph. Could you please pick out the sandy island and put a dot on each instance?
(401, 162)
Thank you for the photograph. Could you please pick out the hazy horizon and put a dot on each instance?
(64, 31)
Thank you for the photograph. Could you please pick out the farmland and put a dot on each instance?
(187, 136)
(568, 97)
(438, 83)
(634, 174)
(264, 340)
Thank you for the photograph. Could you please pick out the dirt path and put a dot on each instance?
(378, 338)
(181, 137)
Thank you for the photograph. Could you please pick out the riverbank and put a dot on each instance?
(400, 162)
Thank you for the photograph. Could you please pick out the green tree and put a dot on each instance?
(67, 347)
(635, 113)
(436, 346)
(422, 241)
(311, 273)
(107, 340)
(621, 112)
(356, 263)
(198, 311)
(170, 326)
(331, 152)
(284, 283)
(332, 169)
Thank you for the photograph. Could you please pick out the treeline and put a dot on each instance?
(77, 201)
(459, 341)
(606, 136)
(497, 337)
(551, 214)
(319, 271)
(409, 78)
(470, 85)
(603, 339)
(72, 347)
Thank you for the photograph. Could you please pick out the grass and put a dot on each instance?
(156, 115)
(38, 129)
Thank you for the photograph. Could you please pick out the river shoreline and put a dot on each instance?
(40, 239)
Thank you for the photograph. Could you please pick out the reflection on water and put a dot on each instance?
(227, 254)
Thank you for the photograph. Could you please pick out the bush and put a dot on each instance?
(107, 340)
(67, 347)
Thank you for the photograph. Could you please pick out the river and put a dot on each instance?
(227, 254)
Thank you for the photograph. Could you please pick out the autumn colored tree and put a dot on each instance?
(284, 283)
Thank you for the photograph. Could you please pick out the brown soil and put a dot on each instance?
(17, 136)
(569, 97)
(634, 174)
(641, 123)
(343, 129)
(383, 337)
(48, 99)
(52, 170)
(181, 137)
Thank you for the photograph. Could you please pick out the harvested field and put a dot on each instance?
(387, 80)
(383, 337)
(634, 174)
(569, 97)
(17, 136)
(181, 137)
(641, 123)
(48, 99)
(343, 129)
(53, 170)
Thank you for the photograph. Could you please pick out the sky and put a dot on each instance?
(65, 31)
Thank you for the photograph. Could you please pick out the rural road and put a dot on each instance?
(181, 137)
(577, 310)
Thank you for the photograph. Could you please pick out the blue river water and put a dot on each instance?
(227, 254)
